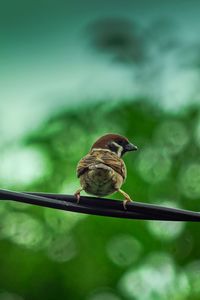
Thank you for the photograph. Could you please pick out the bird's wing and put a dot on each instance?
(85, 162)
(116, 163)
(104, 157)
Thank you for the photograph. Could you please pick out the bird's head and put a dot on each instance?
(115, 143)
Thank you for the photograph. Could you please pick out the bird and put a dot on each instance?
(102, 171)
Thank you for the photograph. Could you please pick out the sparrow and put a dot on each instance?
(102, 171)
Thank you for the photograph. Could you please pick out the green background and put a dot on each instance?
(71, 72)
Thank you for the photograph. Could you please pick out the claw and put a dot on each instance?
(127, 199)
(77, 195)
(77, 198)
(125, 203)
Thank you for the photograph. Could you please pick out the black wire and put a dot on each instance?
(101, 206)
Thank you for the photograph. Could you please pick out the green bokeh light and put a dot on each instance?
(166, 231)
(124, 250)
(154, 164)
(60, 221)
(9, 296)
(172, 136)
(62, 249)
(21, 166)
(23, 230)
(189, 180)
(155, 279)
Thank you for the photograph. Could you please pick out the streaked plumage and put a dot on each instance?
(102, 171)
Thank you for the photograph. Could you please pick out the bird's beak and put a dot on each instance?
(131, 147)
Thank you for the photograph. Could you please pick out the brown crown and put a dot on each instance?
(103, 141)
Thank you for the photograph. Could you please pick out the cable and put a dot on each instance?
(101, 206)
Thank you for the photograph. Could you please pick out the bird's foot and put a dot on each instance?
(127, 199)
(77, 195)
(125, 203)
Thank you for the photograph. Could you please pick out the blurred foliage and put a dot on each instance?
(138, 45)
(48, 254)
(119, 37)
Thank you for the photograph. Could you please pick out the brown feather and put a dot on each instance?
(103, 141)
(102, 156)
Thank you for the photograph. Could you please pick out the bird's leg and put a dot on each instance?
(77, 195)
(127, 198)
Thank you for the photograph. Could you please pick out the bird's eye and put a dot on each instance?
(119, 142)
(114, 146)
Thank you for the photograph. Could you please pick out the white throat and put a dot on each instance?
(119, 148)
